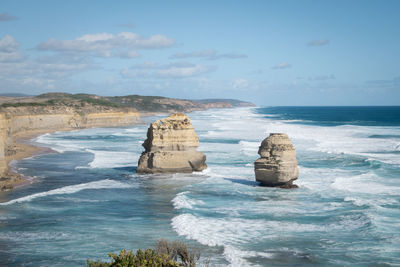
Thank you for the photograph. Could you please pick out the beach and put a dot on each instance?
(22, 148)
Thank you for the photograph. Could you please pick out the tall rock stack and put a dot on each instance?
(171, 147)
(278, 164)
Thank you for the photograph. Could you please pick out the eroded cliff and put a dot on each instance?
(3, 137)
(18, 121)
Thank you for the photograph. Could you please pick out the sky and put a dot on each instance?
(272, 53)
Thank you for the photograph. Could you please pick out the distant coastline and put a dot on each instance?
(24, 118)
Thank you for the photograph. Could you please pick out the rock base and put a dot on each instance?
(288, 185)
(171, 162)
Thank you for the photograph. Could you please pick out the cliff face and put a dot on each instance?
(171, 146)
(3, 136)
(14, 121)
(50, 122)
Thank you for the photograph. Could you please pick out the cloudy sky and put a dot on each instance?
(268, 52)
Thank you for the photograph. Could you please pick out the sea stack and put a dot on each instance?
(277, 166)
(171, 147)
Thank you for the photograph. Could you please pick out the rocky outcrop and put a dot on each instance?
(278, 164)
(171, 146)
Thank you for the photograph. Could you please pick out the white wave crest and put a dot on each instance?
(181, 201)
(358, 201)
(57, 144)
(365, 183)
(112, 159)
(71, 189)
(231, 233)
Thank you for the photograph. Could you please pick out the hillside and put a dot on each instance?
(88, 102)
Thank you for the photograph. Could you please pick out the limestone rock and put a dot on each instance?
(278, 164)
(171, 146)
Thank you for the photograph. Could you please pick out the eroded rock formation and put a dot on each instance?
(278, 164)
(171, 146)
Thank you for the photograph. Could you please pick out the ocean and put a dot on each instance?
(86, 200)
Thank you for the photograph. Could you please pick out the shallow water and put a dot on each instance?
(87, 200)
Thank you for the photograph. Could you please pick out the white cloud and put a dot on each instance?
(208, 54)
(105, 44)
(19, 72)
(126, 25)
(182, 71)
(127, 54)
(322, 78)
(395, 82)
(283, 65)
(9, 50)
(318, 42)
(90, 38)
(11, 57)
(240, 83)
(6, 17)
(172, 70)
(8, 44)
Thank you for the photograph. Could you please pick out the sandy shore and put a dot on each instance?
(23, 148)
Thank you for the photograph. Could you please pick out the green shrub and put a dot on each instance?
(23, 104)
(147, 258)
(178, 250)
(166, 254)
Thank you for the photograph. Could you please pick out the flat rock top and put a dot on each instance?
(275, 142)
(276, 139)
(174, 121)
(174, 133)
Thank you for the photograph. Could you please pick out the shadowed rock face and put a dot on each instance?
(278, 164)
(171, 146)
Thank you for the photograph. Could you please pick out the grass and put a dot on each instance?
(23, 104)
(65, 99)
(146, 103)
(141, 103)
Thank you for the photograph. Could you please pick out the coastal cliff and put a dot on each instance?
(3, 137)
(34, 122)
(17, 122)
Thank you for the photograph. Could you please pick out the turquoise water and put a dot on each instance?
(86, 200)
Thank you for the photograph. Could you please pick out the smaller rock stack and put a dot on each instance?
(171, 147)
(278, 164)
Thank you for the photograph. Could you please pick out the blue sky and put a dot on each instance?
(267, 52)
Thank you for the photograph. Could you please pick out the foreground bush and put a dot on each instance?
(178, 250)
(166, 254)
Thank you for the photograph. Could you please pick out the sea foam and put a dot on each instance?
(182, 201)
(71, 189)
(112, 159)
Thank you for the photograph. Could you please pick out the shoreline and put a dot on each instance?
(23, 147)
